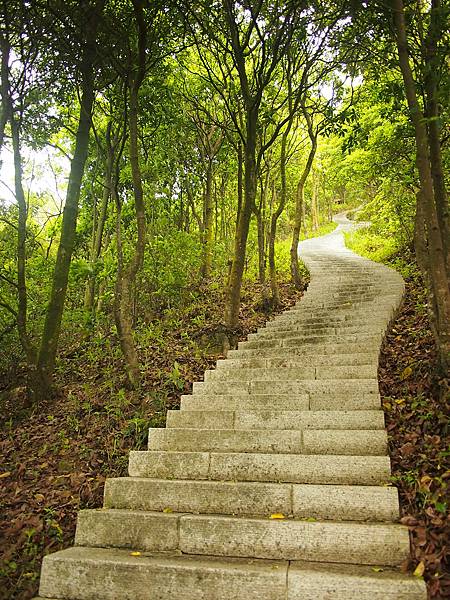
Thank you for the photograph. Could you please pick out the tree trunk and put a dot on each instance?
(432, 114)
(240, 178)
(126, 276)
(276, 215)
(261, 248)
(208, 223)
(22, 309)
(272, 265)
(6, 100)
(314, 204)
(89, 297)
(262, 238)
(52, 326)
(240, 244)
(438, 288)
(300, 210)
(8, 115)
(123, 304)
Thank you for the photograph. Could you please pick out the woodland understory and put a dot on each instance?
(159, 163)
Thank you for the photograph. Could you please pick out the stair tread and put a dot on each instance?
(80, 573)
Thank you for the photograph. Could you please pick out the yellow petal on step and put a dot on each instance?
(377, 569)
(311, 520)
(420, 569)
(167, 510)
(135, 553)
(277, 516)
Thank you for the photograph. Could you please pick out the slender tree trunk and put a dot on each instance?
(191, 201)
(8, 115)
(52, 326)
(126, 276)
(99, 225)
(6, 100)
(272, 237)
(240, 178)
(22, 309)
(262, 237)
(261, 248)
(276, 215)
(208, 233)
(237, 267)
(439, 288)
(432, 114)
(123, 305)
(299, 211)
(314, 204)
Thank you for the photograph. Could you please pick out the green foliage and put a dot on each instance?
(372, 244)
(171, 266)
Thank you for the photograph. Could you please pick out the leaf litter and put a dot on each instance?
(416, 404)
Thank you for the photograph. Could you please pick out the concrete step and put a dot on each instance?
(315, 400)
(267, 441)
(246, 402)
(310, 349)
(287, 539)
(321, 581)
(292, 323)
(293, 374)
(312, 360)
(308, 326)
(316, 339)
(308, 386)
(112, 574)
(327, 502)
(109, 574)
(276, 419)
(326, 331)
(284, 468)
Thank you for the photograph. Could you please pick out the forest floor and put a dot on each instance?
(56, 458)
(417, 409)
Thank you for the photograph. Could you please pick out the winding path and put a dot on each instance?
(270, 482)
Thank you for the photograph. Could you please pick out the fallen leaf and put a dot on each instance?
(167, 510)
(5, 474)
(420, 569)
(377, 569)
(407, 372)
(277, 516)
(135, 554)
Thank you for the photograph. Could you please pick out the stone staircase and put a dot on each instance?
(271, 482)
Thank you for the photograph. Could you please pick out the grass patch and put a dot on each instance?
(371, 244)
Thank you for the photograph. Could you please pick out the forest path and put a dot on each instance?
(270, 482)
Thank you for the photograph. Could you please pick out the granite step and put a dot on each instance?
(325, 502)
(315, 400)
(274, 468)
(275, 419)
(267, 441)
(287, 539)
(109, 574)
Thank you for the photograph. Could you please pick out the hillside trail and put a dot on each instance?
(272, 480)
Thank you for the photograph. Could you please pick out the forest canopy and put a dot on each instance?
(154, 149)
